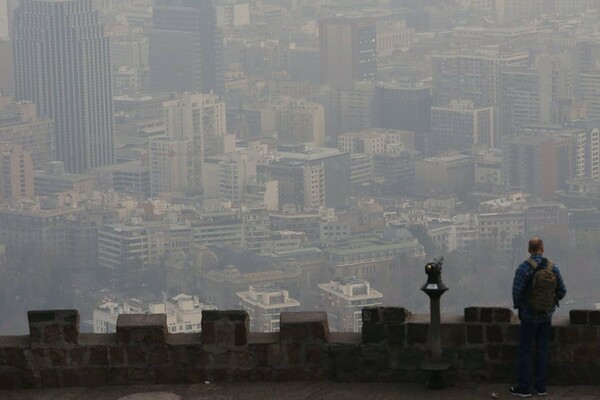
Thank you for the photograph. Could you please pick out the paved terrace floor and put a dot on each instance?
(292, 391)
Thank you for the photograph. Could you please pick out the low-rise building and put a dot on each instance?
(344, 298)
(184, 313)
(264, 304)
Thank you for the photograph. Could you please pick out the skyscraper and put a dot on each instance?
(62, 63)
(348, 51)
(185, 47)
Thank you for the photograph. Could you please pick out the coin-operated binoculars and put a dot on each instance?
(435, 288)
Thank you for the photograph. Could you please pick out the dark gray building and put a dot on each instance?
(186, 47)
(62, 63)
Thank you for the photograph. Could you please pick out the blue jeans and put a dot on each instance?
(539, 333)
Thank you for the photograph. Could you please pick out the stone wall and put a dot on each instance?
(481, 346)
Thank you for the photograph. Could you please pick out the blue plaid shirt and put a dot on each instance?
(520, 290)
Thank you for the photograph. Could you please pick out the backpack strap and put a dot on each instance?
(532, 263)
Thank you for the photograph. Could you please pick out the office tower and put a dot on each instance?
(7, 82)
(4, 29)
(404, 107)
(16, 173)
(542, 93)
(185, 47)
(199, 121)
(62, 64)
(471, 75)
(459, 126)
(540, 163)
(348, 110)
(348, 51)
(525, 97)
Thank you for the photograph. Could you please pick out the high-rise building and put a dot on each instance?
(198, 120)
(471, 75)
(62, 63)
(348, 51)
(168, 165)
(459, 126)
(16, 173)
(403, 106)
(525, 97)
(539, 163)
(4, 20)
(348, 110)
(185, 47)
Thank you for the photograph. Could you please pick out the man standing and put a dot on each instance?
(537, 287)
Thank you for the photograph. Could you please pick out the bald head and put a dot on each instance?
(536, 245)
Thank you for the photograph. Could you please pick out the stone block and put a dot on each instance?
(416, 333)
(91, 377)
(512, 334)
(474, 334)
(502, 315)
(493, 334)
(396, 334)
(49, 378)
(225, 328)
(118, 376)
(58, 357)
(372, 315)
(8, 377)
(77, 356)
(486, 315)
(453, 335)
(395, 315)
(53, 327)
(72, 377)
(141, 328)
(579, 317)
(494, 352)
(294, 353)
(15, 358)
(99, 356)
(304, 326)
(472, 314)
(136, 356)
(167, 375)
(568, 335)
(595, 318)
(117, 355)
(510, 353)
(373, 333)
(141, 375)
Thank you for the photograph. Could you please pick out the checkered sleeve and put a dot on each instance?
(561, 289)
(520, 285)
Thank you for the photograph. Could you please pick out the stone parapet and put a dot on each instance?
(480, 346)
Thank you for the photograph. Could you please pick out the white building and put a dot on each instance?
(264, 304)
(344, 298)
(184, 313)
